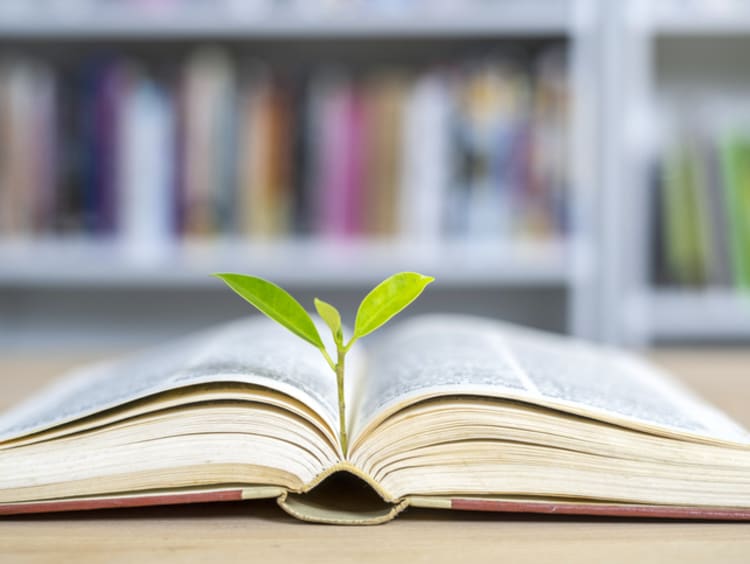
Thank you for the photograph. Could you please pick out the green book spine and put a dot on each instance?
(735, 154)
(697, 213)
(684, 228)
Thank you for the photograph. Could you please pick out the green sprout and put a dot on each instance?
(386, 300)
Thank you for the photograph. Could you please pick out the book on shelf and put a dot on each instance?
(685, 227)
(471, 148)
(447, 412)
(735, 154)
(701, 228)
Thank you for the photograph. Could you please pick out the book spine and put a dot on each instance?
(299, 168)
(719, 254)
(102, 87)
(682, 230)
(146, 177)
(354, 187)
(426, 141)
(733, 177)
(334, 161)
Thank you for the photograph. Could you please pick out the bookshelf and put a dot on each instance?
(681, 73)
(91, 281)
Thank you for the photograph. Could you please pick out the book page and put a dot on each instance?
(449, 355)
(253, 351)
(435, 354)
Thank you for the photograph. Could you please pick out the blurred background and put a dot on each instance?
(575, 165)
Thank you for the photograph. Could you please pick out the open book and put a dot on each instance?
(443, 412)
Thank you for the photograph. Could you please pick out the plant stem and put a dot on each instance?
(342, 404)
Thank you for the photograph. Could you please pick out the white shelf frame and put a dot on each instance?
(677, 18)
(69, 19)
(305, 263)
(714, 314)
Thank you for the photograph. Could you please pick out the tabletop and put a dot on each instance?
(261, 532)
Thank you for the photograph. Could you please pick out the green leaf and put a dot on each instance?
(332, 318)
(387, 299)
(276, 303)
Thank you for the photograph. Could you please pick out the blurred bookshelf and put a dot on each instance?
(177, 138)
(551, 162)
(678, 190)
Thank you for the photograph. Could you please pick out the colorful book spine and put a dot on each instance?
(736, 167)
(146, 178)
(682, 228)
(334, 156)
(27, 147)
(208, 84)
(103, 88)
(424, 187)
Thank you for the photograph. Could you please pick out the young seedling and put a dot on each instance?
(384, 301)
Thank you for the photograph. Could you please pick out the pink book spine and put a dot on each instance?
(334, 156)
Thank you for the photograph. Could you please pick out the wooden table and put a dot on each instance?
(260, 532)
